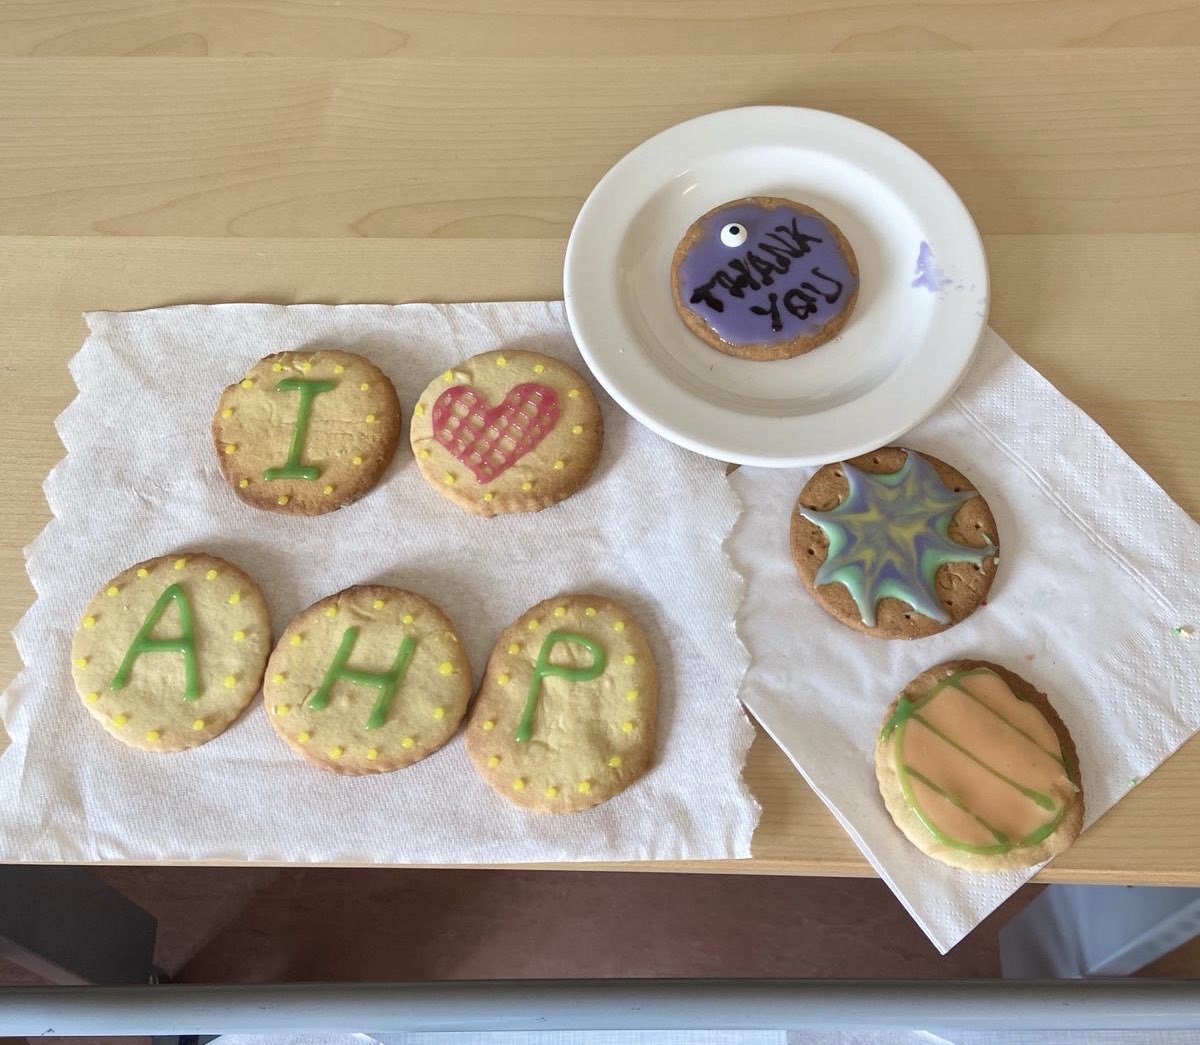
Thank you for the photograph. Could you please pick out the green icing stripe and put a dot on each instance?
(292, 468)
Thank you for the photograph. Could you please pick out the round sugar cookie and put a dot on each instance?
(171, 650)
(565, 716)
(916, 546)
(304, 433)
(764, 278)
(977, 769)
(369, 680)
(507, 431)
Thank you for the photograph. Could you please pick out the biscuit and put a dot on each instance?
(916, 547)
(369, 680)
(978, 770)
(507, 431)
(171, 650)
(565, 716)
(764, 278)
(304, 433)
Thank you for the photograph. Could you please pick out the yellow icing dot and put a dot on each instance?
(91, 698)
(504, 679)
(364, 387)
(494, 761)
(304, 737)
(626, 727)
(534, 624)
(282, 709)
(198, 724)
(338, 368)
(585, 786)
(489, 497)
(423, 454)
(277, 368)
(577, 430)
(488, 726)
(552, 792)
(615, 761)
(527, 486)
(501, 361)
(448, 478)
(89, 622)
(559, 465)
(297, 639)
(180, 563)
(335, 752)
(446, 668)
(227, 412)
(327, 489)
(113, 591)
(230, 682)
(143, 572)
(619, 625)
(372, 754)
(590, 611)
(120, 720)
(81, 662)
(379, 604)
(407, 618)
(235, 598)
(629, 658)
(277, 678)
(239, 636)
(539, 367)
(211, 575)
(243, 483)
(283, 500)
(305, 367)
(514, 647)
(448, 376)
(152, 735)
(419, 410)
(439, 713)
(632, 695)
(560, 611)
(408, 742)
(573, 393)
(331, 612)
(247, 383)
(231, 448)
(518, 784)
(370, 419)
(357, 460)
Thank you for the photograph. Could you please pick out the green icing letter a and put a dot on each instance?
(185, 644)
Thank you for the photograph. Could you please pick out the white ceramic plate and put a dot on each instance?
(900, 355)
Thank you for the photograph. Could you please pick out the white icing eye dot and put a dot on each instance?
(734, 234)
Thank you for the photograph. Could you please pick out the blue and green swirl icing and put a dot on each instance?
(890, 535)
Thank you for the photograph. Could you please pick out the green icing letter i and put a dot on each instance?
(185, 644)
(309, 390)
(386, 682)
(544, 669)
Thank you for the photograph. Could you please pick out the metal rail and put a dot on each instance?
(535, 1005)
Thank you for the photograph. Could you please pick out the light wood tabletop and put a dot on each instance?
(345, 150)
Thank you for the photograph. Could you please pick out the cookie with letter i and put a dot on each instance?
(369, 680)
(565, 716)
(508, 431)
(304, 433)
(764, 278)
(978, 770)
(171, 651)
(894, 543)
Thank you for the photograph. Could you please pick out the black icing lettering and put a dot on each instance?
(751, 282)
(787, 248)
(802, 241)
(779, 257)
(799, 304)
(763, 267)
(704, 293)
(736, 285)
(829, 295)
(773, 311)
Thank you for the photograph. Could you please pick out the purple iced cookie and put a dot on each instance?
(764, 278)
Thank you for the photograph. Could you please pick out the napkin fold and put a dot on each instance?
(140, 479)
(1093, 602)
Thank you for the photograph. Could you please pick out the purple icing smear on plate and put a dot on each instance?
(928, 273)
(788, 278)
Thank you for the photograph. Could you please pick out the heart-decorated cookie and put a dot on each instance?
(507, 431)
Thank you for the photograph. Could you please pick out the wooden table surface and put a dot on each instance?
(300, 150)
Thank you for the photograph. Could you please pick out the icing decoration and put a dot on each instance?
(518, 784)
(92, 698)
(235, 598)
(544, 669)
(560, 611)
(143, 573)
(364, 387)
(448, 478)
(283, 500)
(379, 604)
(734, 235)
(590, 611)
(539, 368)
(504, 678)
(184, 644)
(573, 393)
(501, 361)
(247, 382)
(277, 368)
(789, 282)
(227, 412)
(527, 486)
(494, 761)
(120, 720)
(1014, 797)
(890, 535)
(577, 430)
(446, 668)
(372, 754)
(297, 639)
(239, 636)
(627, 727)
(489, 440)
(230, 681)
(619, 625)
(335, 752)
(152, 735)
(385, 682)
(198, 724)
(439, 713)
(327, 489)
(81, 662)
(407, 618)
(408, 742)
(211, 575)
(277, 678)
(113, 591)
(615, 762)
(370, 419)
(243, 483)
(488, 726)
(231, 448)
(559, 465)
(304, 367)
(304, 737)
(357, 461)
(514, 647)
(338, 368)
(282, 709)
(292, 468)
(585, 786)
(632, 696)
(630, 659)
(180, 563)
(552, 792)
